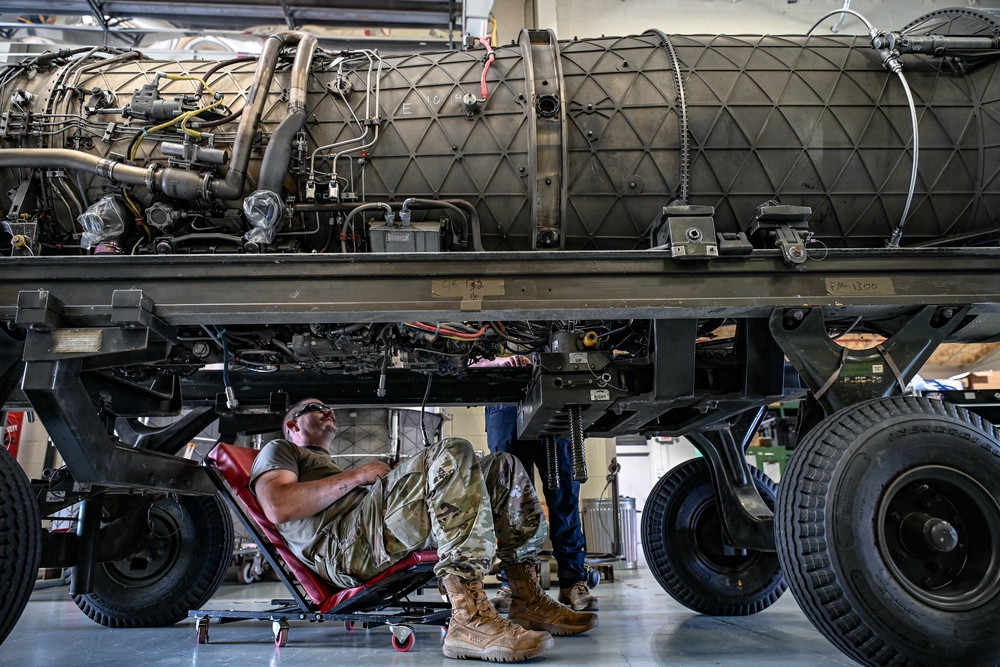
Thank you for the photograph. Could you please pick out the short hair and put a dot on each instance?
(290, 415)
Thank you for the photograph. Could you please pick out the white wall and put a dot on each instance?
(642, 465)
(32, 448)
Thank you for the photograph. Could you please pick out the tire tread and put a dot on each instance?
(658, 558)
(174, 608)
(20, 541)
(802, 543)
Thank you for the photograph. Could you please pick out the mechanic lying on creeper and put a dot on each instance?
(349, 525)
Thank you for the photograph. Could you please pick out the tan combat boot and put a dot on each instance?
(531, 608)
(477, 631)
(578, 597)
(501, 601)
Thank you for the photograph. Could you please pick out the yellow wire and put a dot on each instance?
(184, 77)
(138, 216)
(191, 114)
(494, 32)
(184, 117)
(131, 204)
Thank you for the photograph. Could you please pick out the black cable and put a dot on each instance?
(423, 404)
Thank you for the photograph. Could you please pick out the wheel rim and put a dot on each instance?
(707, 541)
(939, 536)
(157, 554)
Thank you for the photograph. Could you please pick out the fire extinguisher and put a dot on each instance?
(12, 431)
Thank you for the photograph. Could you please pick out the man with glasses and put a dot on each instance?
(349, 525)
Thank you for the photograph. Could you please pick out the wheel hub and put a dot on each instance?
(156, 554)
(922, 533)
(939, 536)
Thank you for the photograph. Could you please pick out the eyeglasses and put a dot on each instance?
(312, 407)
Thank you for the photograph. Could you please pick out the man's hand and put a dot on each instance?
(284, 498)
(498, 362)
(372, 471)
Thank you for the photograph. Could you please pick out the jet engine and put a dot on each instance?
(537, 144)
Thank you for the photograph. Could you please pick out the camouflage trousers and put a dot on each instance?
(443, 498)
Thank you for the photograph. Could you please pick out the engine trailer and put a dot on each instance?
(677, 228)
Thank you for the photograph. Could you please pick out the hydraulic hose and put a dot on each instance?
(890, 60)
(897, 233)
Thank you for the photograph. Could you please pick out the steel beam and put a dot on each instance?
(188, 13)
(301, 289)
(403, 388)
(60, 399)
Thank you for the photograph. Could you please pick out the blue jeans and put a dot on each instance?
(565, 530)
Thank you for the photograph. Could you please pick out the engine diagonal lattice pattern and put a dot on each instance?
(804, 121)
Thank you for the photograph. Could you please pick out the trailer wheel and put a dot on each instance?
(177, 567)
(888, 529)
(682, 542)
(20, 542)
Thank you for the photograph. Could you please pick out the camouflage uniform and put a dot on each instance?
(444, 497)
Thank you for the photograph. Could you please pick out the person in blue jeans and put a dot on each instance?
(565, 529)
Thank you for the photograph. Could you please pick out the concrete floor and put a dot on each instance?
(640, 625)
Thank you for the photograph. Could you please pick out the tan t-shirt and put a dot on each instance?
(309, 463)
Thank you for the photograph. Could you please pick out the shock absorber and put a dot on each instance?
(578, 454)
(552, 460)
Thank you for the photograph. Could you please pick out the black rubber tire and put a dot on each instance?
(20, 542)
(839, 517)
(176, 568)
(682, 542)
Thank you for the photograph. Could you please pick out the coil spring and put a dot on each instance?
(552, 463)
(577, 452)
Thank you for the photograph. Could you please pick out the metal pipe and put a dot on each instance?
(70, 159)
(184, 184)
(365, 207)
(840, 21)
(279, 149)
(172, 181)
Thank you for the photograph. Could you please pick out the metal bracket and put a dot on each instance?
(567, 386)
(134, 334)
(17, 199)
(55, 357)
(548, 134)
(688, 232)
(788, 224)
(748, 523)
(837, 376)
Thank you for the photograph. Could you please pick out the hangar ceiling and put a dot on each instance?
(241, 14)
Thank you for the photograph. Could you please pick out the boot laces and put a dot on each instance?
(540, 596)
(485, 613)
(579, 588)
